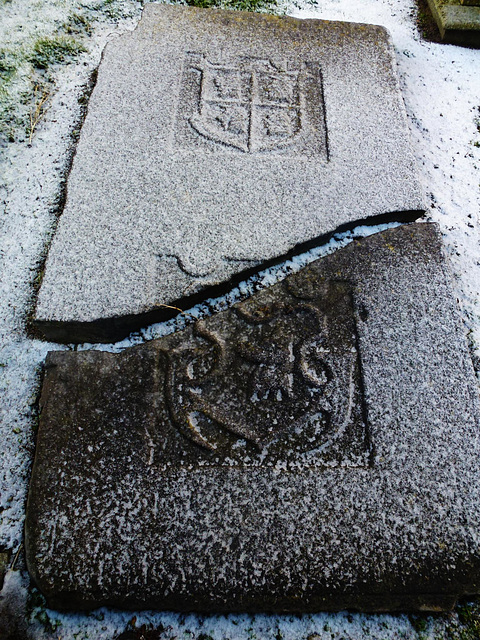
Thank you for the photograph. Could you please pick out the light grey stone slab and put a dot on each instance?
(216, 141)
(314, 447)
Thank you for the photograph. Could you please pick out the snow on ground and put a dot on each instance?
(441, 89)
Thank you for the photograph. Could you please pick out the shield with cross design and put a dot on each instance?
(252, 105)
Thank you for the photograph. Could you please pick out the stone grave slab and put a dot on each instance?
(313, 447)
(458, 21)
(216, 141)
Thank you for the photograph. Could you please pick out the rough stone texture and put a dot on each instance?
(216, 141)
(314, 447)
(458, 21)
(4, 563)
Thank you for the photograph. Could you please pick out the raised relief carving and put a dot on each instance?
(279, 381)
(252, 105)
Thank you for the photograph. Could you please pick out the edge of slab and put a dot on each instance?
(458, 24)
(424, 595)
(113, 329)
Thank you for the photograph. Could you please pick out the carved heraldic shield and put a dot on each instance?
(256, 105)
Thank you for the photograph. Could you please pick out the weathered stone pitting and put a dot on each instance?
(161, 479)
(279, 382)
(218, 141)
(251, 105)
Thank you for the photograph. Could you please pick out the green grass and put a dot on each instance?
(28, 65)
(239, 5)
(77, 25)
(7, 64)
(426, 23)
(469, 618)
(54, 50)
(113, 10)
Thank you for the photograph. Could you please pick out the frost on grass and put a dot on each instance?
(441, 88)
(54, 50)
(240, 5)
(36, 39)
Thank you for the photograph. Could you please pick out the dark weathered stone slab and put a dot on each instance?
(458, 21)
(216, 141)
(314, 447)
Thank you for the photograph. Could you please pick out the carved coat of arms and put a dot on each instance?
(255, 105)
(269, 379)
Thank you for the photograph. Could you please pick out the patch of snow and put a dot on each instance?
(441, 89)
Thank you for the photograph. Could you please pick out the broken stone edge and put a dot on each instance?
(116, 324)
(113, 329)
(446, 561)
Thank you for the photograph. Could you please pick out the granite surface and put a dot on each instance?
(216, 141)
(313, 447)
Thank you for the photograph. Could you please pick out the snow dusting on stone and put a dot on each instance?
(441, 88)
